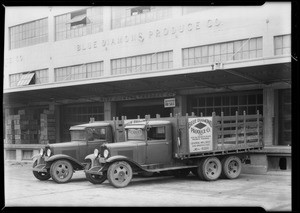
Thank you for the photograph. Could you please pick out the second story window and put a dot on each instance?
(79, 23)
(130, 16)
(28, 34)
(29, 78)
(282, 44)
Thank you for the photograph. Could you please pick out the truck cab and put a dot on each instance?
(60, 160)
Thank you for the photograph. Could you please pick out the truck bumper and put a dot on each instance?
(97, 170)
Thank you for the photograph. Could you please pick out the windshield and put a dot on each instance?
(78, 135)
(135, 134)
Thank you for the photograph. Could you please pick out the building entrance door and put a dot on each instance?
(131, 109)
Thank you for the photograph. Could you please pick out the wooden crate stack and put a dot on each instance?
(47, 119)
(10, 133)
(26, 127)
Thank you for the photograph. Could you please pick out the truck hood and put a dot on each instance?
(62, 148)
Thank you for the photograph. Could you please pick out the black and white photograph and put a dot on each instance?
(148, 106)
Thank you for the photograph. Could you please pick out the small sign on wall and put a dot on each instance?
(170, 102)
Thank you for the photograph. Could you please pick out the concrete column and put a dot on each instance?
(57, 123)
(109, 110)
(18, 155)
(106, 18)
(181, 105)
(268, 117)
(51, 40)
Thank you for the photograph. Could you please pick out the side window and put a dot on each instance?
(96, 134)
(157, 133)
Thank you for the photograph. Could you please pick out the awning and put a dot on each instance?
(25, 79)
(77, 19)
(226, 80)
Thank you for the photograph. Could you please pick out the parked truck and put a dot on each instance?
(60, 160)
(209, 147)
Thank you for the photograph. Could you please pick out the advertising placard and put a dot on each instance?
(200, 134)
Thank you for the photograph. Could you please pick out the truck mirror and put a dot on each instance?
(178, 141)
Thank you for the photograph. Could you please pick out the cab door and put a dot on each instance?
(159, 145)
(96, 136)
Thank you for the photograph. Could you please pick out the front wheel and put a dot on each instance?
(95, 179)
(119, 174)
(40, 175)
(209, 169)
(61, 171)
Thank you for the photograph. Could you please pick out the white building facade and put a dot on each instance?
(64, 65)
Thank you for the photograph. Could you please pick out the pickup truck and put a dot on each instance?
(209, 147)
(60, 160)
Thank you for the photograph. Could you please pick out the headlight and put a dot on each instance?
(96, 152)
(41, 151)
(105, 153)
(48, 152)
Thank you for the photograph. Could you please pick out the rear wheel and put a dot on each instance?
(209, 169)
(95, 179)
(119, 174)
(61, 171)
(231, 167)
(40, 175)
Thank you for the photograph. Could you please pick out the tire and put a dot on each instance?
(231, 167)
(61, 171)
(95, 179)
(209, 169)
(119, 174)
(40, 175)
(181, 173)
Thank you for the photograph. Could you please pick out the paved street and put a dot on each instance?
(272, 191)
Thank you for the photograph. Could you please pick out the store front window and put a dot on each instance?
(227, 103)
(285, 117)
(78, 114)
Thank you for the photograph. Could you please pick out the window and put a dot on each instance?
(156, 133)
(79, 23)
(282, 45)
(135, 134)
(96, 133)
(81, 71)
(129, 16)
(29, 78)
(155, 61)
(227, 103)
(28, 34)
(221, 52)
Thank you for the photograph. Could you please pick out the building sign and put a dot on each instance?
(170, 102)
(200, 134)
(150, 34)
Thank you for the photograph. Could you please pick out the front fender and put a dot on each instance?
(37, 156)
(93, 159)
(124, 158)
(76, 164)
